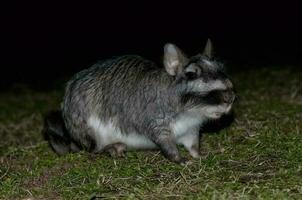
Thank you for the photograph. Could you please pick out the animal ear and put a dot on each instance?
(174, 59)
(208, 50)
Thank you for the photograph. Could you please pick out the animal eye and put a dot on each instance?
(192, 71)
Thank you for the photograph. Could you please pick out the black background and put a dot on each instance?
(43, 42)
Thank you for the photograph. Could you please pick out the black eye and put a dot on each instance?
(193, 71)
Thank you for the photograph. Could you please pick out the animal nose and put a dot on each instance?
(229, 97)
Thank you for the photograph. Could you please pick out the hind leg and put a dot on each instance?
(116, 150)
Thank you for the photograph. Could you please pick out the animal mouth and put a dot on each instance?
(217, 115)
(221, 110)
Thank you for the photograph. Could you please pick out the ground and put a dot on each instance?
(259, 156)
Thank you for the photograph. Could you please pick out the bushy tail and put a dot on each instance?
(55, 132)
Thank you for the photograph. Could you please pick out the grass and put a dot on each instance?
(259, 156)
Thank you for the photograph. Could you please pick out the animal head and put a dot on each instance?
(207, 87)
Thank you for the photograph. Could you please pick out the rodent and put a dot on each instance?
(129, 102)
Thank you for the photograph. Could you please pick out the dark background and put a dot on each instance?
(45, 42)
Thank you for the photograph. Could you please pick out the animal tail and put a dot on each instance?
(55, 132)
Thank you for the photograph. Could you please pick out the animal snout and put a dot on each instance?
(229, 96)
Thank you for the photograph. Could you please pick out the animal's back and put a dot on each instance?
(114, 96)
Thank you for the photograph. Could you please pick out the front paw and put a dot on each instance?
(195, 154)
(181, 160)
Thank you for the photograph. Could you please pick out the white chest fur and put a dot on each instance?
(186, 123)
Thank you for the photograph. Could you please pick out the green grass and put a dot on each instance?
(259, 156)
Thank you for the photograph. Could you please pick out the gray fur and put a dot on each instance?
(142, 98)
